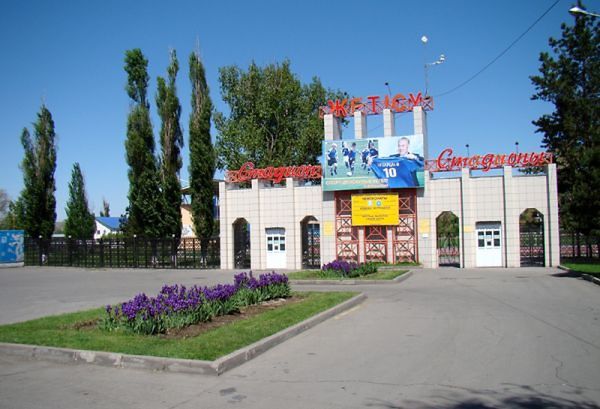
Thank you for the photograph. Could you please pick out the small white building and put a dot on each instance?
(107, 225)
(279, 220)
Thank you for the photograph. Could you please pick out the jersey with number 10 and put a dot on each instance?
(400, 172)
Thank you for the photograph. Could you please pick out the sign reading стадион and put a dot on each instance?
(375, 209)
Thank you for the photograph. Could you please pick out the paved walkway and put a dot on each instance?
(448, 338)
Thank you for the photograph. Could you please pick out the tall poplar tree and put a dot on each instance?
(270, 111)
(570, 80)
(202, 155)
(171, 141)
(80, 223)
(37, 204)
(144, 214)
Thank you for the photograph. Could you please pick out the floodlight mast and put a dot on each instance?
(439, 61)
(577, 11)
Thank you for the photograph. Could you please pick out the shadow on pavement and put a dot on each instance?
(567, 274)
(530, 399)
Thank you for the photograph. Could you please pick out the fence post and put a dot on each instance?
(173, 252)
(101, 261)
(40, 251)
(135, 263)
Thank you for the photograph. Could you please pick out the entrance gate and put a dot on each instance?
(531, 234)
(448, 241)
(311, 243)
(241, 244)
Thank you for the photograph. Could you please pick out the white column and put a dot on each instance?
(332, 127)
(426, 228)
(512, 244)
(420, 127)
(256, 231)
(389, 123)
(467, 216)
(225, 228)
(360, 125)
(293, 233)
(551, 219)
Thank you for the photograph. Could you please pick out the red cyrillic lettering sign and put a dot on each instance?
(247, 172)
(374, 105)
(447, 162)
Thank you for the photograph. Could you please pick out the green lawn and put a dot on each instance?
(59, 331)
(588, 268)
(325, 275)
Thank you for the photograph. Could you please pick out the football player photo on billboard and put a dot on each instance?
(400, 168)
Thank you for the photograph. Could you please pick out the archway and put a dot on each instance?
(531, 238)
(448, 239)
(241, 244)
(311, 242)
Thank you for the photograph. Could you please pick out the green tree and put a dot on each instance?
(202, 155)
(105, 212)
(271, 111)
(13, 220)
(4, 204)
(80, 223)
(36, 207)
(570, 80)
(144, 216)
(171, 141)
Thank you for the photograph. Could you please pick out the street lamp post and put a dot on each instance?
(576, 11)
(439, 61)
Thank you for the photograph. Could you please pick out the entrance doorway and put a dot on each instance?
(241, 244)
(448, 241)
(531, 235)
(276, 253)
(311, 243)
(489, 244)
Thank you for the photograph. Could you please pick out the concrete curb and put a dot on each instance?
(352, 282)
(217, 367)
(585, 276)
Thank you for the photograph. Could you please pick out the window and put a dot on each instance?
(480, 239)
(496, 234)
(275, 240)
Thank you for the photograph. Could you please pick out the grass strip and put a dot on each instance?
(325, 275)
(587, 268)
(60, 331)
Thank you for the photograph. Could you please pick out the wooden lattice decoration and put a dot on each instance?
(374, 246)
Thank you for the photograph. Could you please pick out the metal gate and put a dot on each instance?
(241, 244)
(311, 245)
(532, 246)
(448, 249)
(376, 243)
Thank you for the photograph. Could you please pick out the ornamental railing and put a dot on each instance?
(577, 245)
(132, 252)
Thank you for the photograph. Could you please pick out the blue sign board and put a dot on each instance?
(374, 163)
(11, 246)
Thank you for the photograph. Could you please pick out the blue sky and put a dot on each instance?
(70, 54)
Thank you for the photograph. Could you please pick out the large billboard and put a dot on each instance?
(11, 246)
(374, 163)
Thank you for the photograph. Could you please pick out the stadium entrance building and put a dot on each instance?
(384, 199)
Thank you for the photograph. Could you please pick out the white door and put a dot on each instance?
(489, 245)
(276, 248)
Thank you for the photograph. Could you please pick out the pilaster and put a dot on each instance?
(389, 123)
(360, 125)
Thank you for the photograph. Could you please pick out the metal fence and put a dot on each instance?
(124, 253)
(577, 245)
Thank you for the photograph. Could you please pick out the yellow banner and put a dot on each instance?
(375, 210)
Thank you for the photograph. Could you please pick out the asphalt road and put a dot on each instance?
(448, 338)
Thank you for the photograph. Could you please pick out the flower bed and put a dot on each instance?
(342, 268)
(177, 306)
